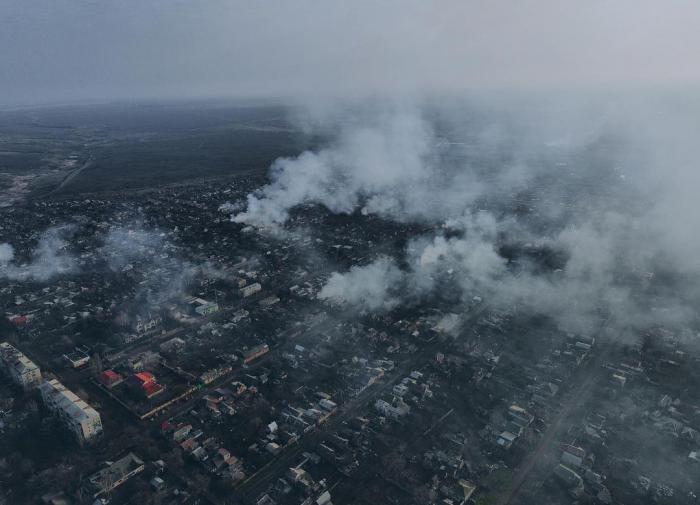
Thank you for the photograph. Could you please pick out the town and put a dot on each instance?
(176, 357)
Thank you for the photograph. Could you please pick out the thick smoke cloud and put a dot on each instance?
(369, 287)
(49, 258)
(597, 278)
(383, 164)
(594, 199)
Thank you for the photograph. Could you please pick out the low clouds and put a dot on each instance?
(59, 50)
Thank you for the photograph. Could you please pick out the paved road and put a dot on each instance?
(72, 175)
(260, 481)
(583, 380)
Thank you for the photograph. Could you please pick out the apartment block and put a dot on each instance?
(18, 367)
(79, 417)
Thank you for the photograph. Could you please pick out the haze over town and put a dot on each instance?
(312, 252)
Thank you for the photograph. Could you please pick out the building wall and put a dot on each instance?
(18, 367)
(81, 419)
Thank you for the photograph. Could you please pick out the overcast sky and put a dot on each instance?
(66, 50)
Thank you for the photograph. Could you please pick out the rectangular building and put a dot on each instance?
(18, 367)
(110, 378)
(255, 352)
(113, 476)
(207, 308)
(77, 358)
(79, 417)
(250, 289)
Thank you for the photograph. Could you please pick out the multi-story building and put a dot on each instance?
(74, 412)
(18, 367)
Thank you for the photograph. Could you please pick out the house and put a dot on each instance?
(572, 456)
(77, 358)
(520, 416)
(223, 457)
(157, 484)
(175, 344)
(181, 433)
(570, 479)
(145, 382)
(506, 439)
(388, 410)
(110, 378)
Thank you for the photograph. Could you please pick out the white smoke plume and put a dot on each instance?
(150, 252)
(382, 163)
(370, 287)
(602, 272)
(49, 258)
(389, 159)
(133, 242)
(607, 186)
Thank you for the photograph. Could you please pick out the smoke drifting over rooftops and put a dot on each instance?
(547, 208)
(384, 163)
(49, 258)
(562, 201)
(121, 248)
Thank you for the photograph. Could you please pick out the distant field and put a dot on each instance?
(114, 147)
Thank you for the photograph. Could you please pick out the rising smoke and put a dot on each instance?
(381, 163)
(167, 274)
(48, 259)
(370, 287)
(506, 190)
(125, 247)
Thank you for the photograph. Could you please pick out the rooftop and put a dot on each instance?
(66, 400)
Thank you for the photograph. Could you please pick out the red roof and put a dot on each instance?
(111, 375)
(144, 378)
(151, 388)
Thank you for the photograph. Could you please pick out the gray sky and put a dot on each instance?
(64, 50)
